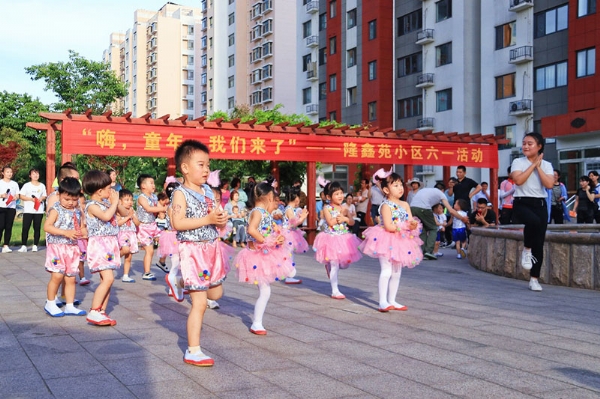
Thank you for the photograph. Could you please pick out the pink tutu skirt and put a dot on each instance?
(203, 264)
(103, 253)
(402, 248)
(295, 240)
(167, 243)
(265, 264)
(63, 259)
(147, 232)
(82, 245)
(128, 238)
(342, 248)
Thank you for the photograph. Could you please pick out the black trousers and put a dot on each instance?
(533, 213)
(557, 215)
(363, 218)
(36, 218)
(7, 218)
(506, 215)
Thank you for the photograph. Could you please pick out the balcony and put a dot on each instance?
(312, 109)
(425, 123)
(519, 5)
(425, 170)
(312, 41)
(312, 75)
(425, 80)
(521, 55)
(521, 107)
(425, 36)
(312, 7)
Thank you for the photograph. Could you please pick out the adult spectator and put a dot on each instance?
(9, 193)
(303, 200)
(465, 187)
(415, 186)
(224, 187)
(114, 184)
(594, 177)
(249, 186)
(584, 201)
(377, 197)
(351, 209)
(483, 215)
(421, 208)
(33, 194)
(507, 189)
(236, 213)
(484, 193)
(533, 176)
(558, 197)
(236, 185)
(362, 201)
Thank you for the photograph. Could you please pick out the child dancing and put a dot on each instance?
(265, 259)
(293, 216)
(128, 222)
(147, 208)
(336, 247)
(394, 241)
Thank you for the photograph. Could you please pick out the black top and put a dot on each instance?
(490, 217)
(462, 190)
(584, 202)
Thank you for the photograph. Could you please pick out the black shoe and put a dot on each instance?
(163, 267)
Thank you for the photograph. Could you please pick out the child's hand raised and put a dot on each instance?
(71, 234)
(114, 196)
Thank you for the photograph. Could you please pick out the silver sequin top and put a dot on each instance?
(337, 229)
(399, 214)
(286, 221)
(265, 226)
(197, 207)
(128, 226)
(97, 227)
(65, 221)
(143, 216)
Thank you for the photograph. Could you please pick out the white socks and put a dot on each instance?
(333, 277)
(389, 282)
(264, 290)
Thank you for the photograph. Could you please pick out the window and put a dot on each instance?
(190, 90)
(505, 86)
(372, 29)
(410, 22)
(351, 19)
(586, 62)
(190, 104)
(410, 107)
(203, 61)
(551, 76)
(202, 43)
(267, 71)
(190, 75)
(231, 18)
(410, 64)
(210, 84)
(332, 82)
(333, 116)
(332, 9)
(267, 26)
(443, 100)
(190, 29)
(231, 39)
(267, 49)
(305, 62)
(190, 60)
(322, 56)
(322, 91)
(231, 81)
(506, 35)
(322, 21)
(443, 54)
(586, 7)
(306, 29)
(231, 60)
(372, 110)
(352, 96)
(509, 133)
(332, 47)
(231, 2)
(231, 102)
(443, 10)
(306, 95)
(372, 70)
(550, 21)
(255, 76)
(190, 44)
(203, 79)
(210, 42)
(351, 60)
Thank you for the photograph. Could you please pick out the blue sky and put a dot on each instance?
(37, 31)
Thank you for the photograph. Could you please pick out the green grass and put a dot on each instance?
(15, 239)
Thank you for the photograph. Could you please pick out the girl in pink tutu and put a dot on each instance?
(128, 222)
(293, 216)
(103, 245)
(147, 208)
(394, 241)
(195, 218)
(336, 247)
(168, 246)
(63, 228)
(265, 259)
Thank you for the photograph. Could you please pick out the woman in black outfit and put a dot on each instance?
(584, 201)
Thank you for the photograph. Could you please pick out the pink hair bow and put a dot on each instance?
(213, 178)
(382, 174)
(170, 179)
(322, 182)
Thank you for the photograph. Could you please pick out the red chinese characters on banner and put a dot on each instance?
(80, 137)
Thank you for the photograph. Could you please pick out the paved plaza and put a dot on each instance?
(466, 334)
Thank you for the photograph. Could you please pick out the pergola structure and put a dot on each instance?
(126, 136)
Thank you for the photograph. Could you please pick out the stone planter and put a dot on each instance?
(571, 254)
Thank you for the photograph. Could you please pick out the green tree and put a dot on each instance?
(14, 151)
(80, 83)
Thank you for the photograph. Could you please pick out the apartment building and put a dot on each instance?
(310, 56)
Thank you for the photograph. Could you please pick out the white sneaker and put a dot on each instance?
(534, 285)
(527, 260)
(175, 286)
(34, 248)
(53, 310)
(6, 249)
(22, 249)
(98, 318)
(212, 304)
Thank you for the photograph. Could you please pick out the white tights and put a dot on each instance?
(333, 276)
(264, 293)
(389, 282)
